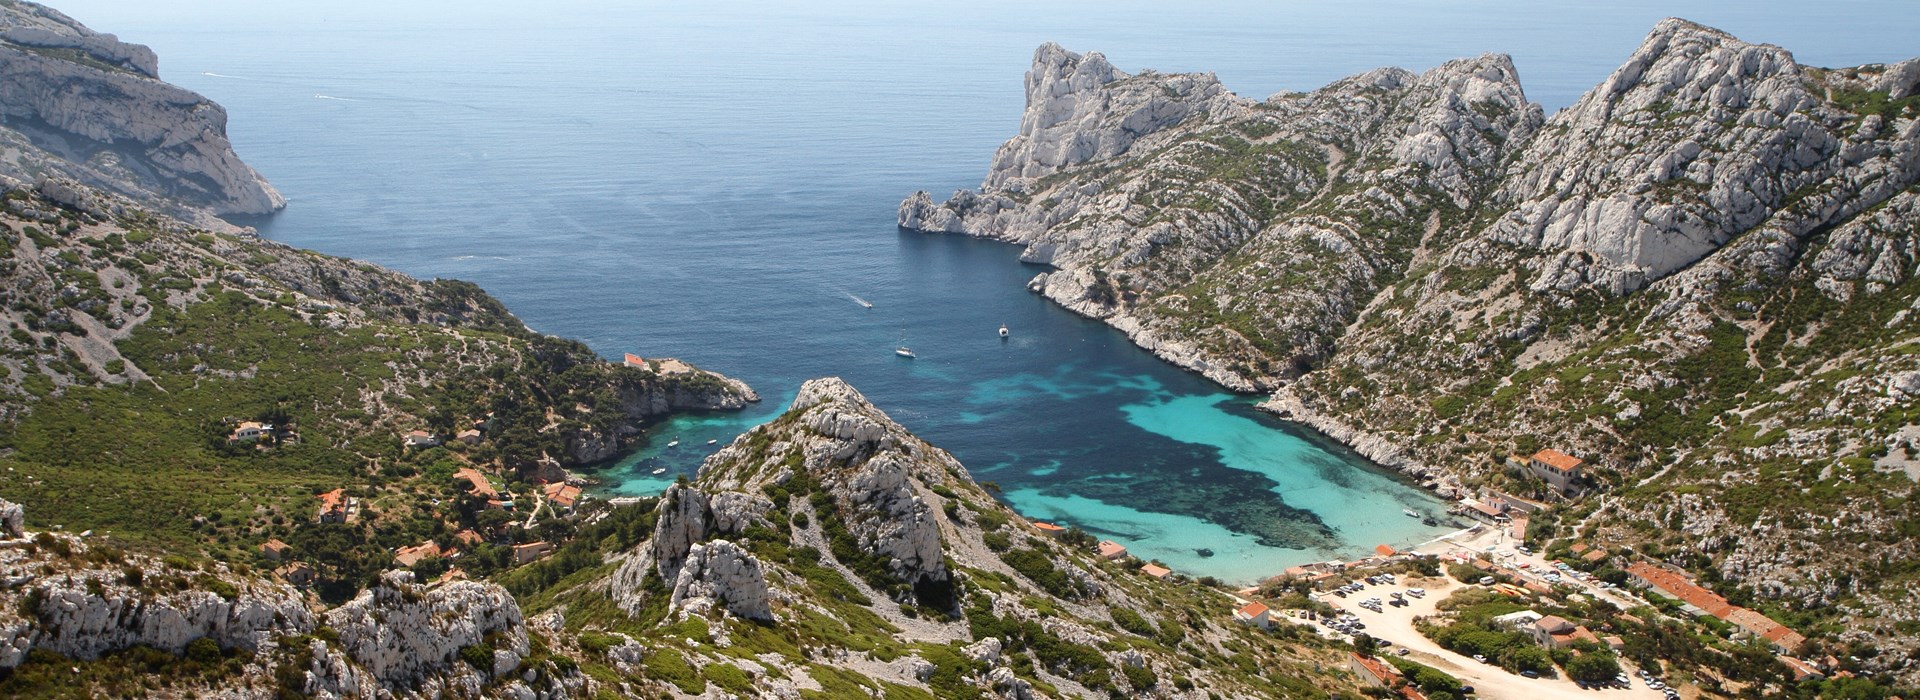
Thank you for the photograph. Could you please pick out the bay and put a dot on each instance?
(716, 182)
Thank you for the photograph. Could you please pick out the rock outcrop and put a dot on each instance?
(720, 573)
(82, 612)
(400, 633)
(13, 520)
(90, 108)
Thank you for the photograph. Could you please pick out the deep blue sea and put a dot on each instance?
(714, 181)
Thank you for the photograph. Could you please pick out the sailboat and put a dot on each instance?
(903, 350)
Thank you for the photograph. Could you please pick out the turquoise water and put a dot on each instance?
(713, 181)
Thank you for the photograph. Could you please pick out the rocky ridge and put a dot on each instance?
(835, 524)
(1698, 277)
(84, 106)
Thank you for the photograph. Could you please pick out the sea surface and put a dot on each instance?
(717, 182)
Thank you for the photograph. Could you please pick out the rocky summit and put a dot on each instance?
(1699, 278)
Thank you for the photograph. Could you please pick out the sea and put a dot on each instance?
(717, 182)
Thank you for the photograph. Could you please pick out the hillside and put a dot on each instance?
(1699, 278)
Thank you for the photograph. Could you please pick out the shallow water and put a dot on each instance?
(714, 182)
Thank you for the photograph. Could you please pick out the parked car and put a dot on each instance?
(1529, 674)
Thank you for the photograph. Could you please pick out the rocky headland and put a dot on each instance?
(84, 106)
(1699, 278)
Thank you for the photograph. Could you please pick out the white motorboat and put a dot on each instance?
(1003, 330)
(904, 351)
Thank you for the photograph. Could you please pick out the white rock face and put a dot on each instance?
(721, 573)
(1074, 115)
(118, 128)
(400, 633)
(13, 520)
(682, 523)
(83, 613)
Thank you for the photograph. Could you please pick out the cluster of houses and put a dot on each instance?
(1698, 601)
(1108, 550)
(1555, 632)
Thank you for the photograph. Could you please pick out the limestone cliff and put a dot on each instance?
(85, 106)
(1699, 277)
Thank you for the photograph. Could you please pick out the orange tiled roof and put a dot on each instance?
(1253, 609)
(1557, 459)
(1155, 571)
(1381, 670)
(1110, 549)
(1385, 550)
(633, 360)
(408, 556)
(1048, 527)
(1679, 587)
(562, 493)
(479, 485)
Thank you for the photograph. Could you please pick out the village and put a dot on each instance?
(1481, 611)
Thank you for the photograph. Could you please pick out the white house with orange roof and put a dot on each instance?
(1557, 468)
(1254, 613)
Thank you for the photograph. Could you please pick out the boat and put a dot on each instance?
(1429, 521)
(1203, 551)
(713, 441)
(675, 443)
(904, 351)
(661, 470)
(1003, 330)
(860, 301)
(1409, 512)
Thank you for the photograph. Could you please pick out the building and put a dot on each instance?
(1254, 613)
(562, 495)
(297, 573)
(274, 550)
(1156, 571)
(1524, 618)
(469, 436)
(1372, 671)
(419, 439)
(523, 553)
(635, 361)
(335, 507)
(477, 483)
(1557, 468)
(1696, 600)
(1484, 512)
(1545, 629)
(1111, 550)
(1385, 551)
(250, 431)
(1050, 529)
(409, 556)
(1802, 671)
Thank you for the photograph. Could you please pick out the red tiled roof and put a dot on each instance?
(1384, 550)
(1048, 527)
(1381, 670)
(478, 483)
(1110, 549)
(633, 360)
(1253, 609)
(1557, 459)
(1553, 624)
(1679, 587)
(1594, 555)
(564, 494)
(408, 556)
(1155, 571)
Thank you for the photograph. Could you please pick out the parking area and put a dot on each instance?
(1392, 625)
